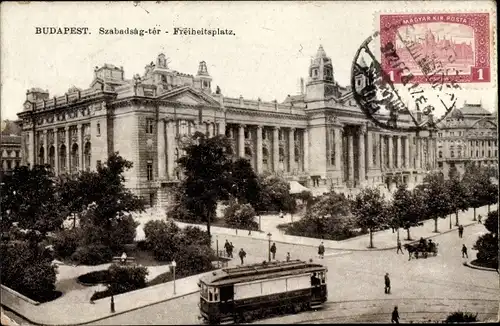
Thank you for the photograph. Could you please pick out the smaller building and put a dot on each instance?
(468, 136)
(10, 146)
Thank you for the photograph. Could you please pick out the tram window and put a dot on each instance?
(210, 294)
(204, 291)
(216, 294)
(226, 293)
(323, 277)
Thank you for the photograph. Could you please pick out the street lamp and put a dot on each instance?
(174, 264)
(269, 235)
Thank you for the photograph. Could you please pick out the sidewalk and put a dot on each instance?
(74, 308)
(382, 240)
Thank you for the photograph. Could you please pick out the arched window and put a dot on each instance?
(62, 158)
(440, 154)
(87, 155)
(452, 154)
(74, 158)
(41, 154)
(281, 155)
(52, 156)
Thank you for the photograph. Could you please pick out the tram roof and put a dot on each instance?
(264, 270)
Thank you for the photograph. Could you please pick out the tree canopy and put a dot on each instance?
(370, 208)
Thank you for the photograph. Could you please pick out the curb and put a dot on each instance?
(349, 249)
(468, 264)
(104, 317)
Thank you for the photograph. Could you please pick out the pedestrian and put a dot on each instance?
(231, 247)
(321, 251)
(395, 316)
(387, 283)
(281, 214)
(479, 219)
(273, 250)
(460, 231)
(287, 256)
(242, 254)
(464, 251)
(227, 246)
(399, 248)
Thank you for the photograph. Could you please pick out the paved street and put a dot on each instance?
(424, 288)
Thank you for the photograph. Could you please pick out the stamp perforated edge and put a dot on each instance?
(493, 84)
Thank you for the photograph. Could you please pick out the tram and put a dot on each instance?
(248, 292)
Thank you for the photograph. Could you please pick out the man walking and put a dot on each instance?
(227, 246)
(242, 255)
(231, 247)
(479, 219)
(399, 248)
(395, 316)
(321, 251)
(460, 231)
(387, 283)
(273, 250)
(287, 256)
(464, 251)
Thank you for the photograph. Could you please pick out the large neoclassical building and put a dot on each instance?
(468, 136)
(319, 137)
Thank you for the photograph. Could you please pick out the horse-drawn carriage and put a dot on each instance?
(422, 249)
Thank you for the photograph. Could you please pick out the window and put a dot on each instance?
(264, 134)
(149, 126)
(98, 164)
(440, 154)
(98, 129)
(9, 165)
(452, 133)
(151, 199)
(482, 153)
(280, 134)
(247, 134)
(452, 154)
(150, 170)
(477, 153)
(19, 162)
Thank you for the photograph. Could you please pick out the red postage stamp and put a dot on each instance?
(456, 44)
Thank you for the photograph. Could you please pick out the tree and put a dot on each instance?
(28, 269)
(28, 197)
(487, 244)
(369, 207)
(457, 195)
(406, 208)
(436, 196)
(241, 216)
(126, 278)
(246, 183)
(207, 168)
(491, 194)
(161, 239)
(476, 180)
(275, 195)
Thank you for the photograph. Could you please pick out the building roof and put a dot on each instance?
(474, 109)
(10, 128)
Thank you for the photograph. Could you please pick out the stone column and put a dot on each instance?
(390, 145)
(222, 127)
(46, 147)
(306, 150)
(350, 150)
(276, 153)
(382, 151)
(170, 142)
(241, 141)
(338, 147)
(291, 149)
(68, 149)
(398, 151)
(259, 149)
(407, 152)
(418, 154)
(56, 152)
(162, 173)
(80, 146)
(361, 155)
(369, 150)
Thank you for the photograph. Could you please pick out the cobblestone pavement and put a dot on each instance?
(425, 289)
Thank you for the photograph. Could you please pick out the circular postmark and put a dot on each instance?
(400, 84)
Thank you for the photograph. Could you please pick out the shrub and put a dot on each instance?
(66, 241)
(241, 216)
(487, 247)
(123, 231)
(92, 254)
(93, 278)
(27, 268)
(194, 259)
(126, 278)
(163, 239)
(461, 317)
(195, 235)
(162, 278)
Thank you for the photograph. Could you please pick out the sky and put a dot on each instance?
(267, 56)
